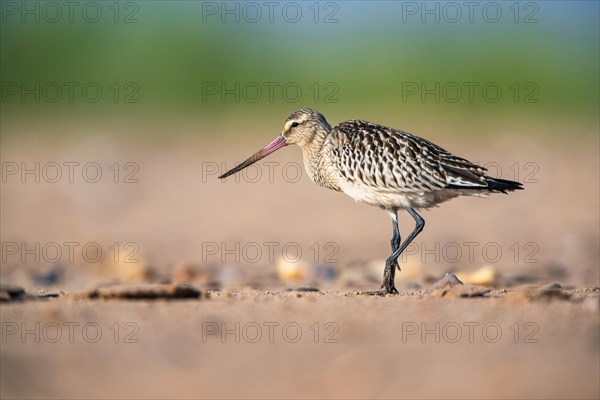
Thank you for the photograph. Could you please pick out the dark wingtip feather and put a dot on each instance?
(503, 185)
(493, 184)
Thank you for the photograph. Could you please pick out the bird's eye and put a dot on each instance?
(295, 124)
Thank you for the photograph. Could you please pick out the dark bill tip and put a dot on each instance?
(272, 147)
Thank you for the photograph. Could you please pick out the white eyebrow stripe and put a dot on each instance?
(289, 124)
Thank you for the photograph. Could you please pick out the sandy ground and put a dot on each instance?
(304, 345)
(248, 241)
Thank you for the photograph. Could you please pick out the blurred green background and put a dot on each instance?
(349, 58)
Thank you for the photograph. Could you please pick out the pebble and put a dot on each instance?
(448, 280)
(11, 293)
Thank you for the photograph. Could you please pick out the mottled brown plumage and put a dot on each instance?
(381, 166)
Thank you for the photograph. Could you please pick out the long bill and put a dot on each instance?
(272, 147)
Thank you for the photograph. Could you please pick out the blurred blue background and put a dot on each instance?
(170, 59)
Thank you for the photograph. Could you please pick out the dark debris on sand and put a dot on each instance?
(149, 291)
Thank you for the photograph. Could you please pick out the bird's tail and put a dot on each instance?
(502, 185)
(493, 184)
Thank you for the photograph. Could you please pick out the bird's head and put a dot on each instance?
(300, 128)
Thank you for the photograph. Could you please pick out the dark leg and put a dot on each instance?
(392, 262)
(390, 267)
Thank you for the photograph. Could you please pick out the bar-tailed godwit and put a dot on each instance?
(383, 167)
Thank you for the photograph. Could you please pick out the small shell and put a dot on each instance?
(485, 275)
(292, 272)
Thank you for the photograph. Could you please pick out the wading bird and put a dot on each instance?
(383, 167)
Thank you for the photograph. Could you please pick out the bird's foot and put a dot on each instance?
(389, 288)
(388, 277)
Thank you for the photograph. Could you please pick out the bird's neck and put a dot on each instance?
(316, 160)
(312, 149)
